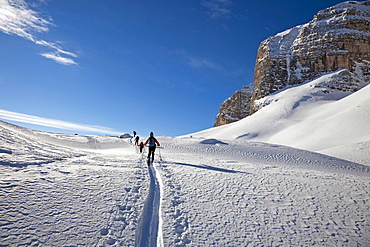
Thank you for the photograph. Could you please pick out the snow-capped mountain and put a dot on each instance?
(337, 37)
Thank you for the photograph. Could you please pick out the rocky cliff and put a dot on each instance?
(337, 37)
(236, 107)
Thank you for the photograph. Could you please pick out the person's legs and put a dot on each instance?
(153, 153)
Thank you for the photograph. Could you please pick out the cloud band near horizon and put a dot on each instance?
(54, 123)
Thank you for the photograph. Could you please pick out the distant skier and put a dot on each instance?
(137, 140)
(152, 145)
(134, 133)
(141, 146)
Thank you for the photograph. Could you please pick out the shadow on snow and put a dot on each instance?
(212, 168)
(213, 142)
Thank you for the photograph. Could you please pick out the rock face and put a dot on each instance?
(236, 107)
(337, 38)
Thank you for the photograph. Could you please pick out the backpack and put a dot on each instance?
(151, 142)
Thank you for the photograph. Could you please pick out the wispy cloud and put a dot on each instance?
(17, 18)
(205, 64)
(58, 58)
(218, 8)
(196, 61)
(55, 47)
(201, 62)
(54, 123)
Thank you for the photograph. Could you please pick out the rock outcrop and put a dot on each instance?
(236, 107)
(337, 38)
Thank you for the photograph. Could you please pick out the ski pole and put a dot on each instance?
(159, 153)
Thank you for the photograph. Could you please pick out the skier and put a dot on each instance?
(137, 140)
(141, 145)
(134, 133)
(152, 145)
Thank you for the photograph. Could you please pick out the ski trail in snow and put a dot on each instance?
(160, 221)
(149, 231)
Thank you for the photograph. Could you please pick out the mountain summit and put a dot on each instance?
(337, 38)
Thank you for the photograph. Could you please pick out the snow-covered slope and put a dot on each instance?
(67, 190)
(310, 116)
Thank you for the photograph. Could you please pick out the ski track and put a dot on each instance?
(149, 232)
(62, 190)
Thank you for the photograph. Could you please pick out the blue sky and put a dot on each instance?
(123, 65)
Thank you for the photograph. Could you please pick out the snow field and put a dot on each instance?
(65, 190)
(52, 195)
(224, 201)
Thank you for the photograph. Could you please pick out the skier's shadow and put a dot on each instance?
(210, 168)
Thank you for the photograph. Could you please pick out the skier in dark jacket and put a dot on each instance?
(152, 145)
(141, 145)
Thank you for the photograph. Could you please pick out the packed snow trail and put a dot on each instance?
(149, 232)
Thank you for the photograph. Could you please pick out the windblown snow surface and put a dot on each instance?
(213, 188)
